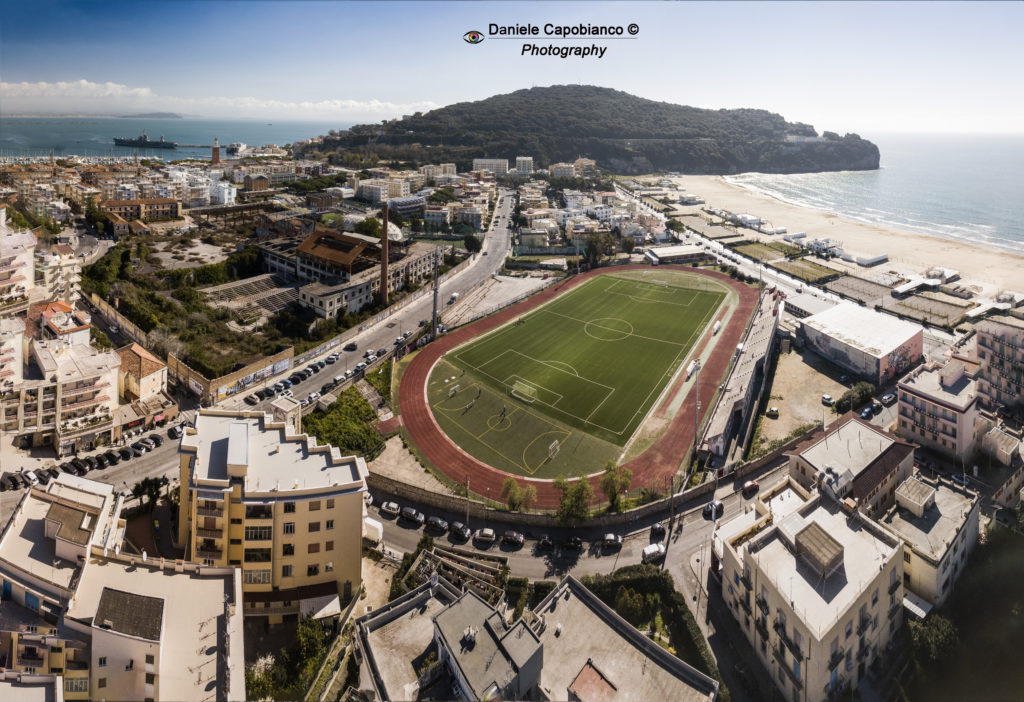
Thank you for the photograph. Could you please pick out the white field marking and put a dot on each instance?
(635, 298)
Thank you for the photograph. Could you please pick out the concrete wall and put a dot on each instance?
(112, 315)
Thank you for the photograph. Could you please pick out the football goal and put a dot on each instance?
(523, 391)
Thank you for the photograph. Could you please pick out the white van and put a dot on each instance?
(651, 553)
(338, 379)
(31, 477)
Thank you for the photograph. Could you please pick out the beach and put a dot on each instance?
(910, 253)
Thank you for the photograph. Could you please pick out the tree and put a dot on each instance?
(628, 244)
(416, 224)
(574, 504)
(614, 482)
(629, 604)
(148, 488)
(936, 638)
(511, 494)
(528, 496)
(471, 243)
(369, 226)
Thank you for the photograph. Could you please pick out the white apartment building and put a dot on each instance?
(287, 511)
(61, 273)
(817, 594)
(125, 191)
(374, 190)
(497, 166)
(222, 193)
(398, 187)
(562, 170)
(1001, 358)
(447, 169)
(938, 524)
(938, 408)
(524, 164)
(12, 354)
(17, 267)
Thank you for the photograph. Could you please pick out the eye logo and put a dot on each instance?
(473, 37)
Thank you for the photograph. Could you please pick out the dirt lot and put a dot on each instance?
(377, 581)
(801, 378)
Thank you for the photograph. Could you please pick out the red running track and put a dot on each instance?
(651, 468)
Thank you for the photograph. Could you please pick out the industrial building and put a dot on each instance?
(874, 346)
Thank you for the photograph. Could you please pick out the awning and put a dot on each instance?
(320, 607)
(158, 418)
(917, 606)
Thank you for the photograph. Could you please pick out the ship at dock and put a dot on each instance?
(144, 142)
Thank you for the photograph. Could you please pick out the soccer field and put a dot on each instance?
(593, 360)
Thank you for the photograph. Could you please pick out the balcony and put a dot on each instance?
(65, 392)
(209, 552)
(209, 512)
(76, 665)
(83, 403)
(863, 625)
(835, 659)
(894, 586)
(761, 627)
(73, 428)
(762, 605)
(780, 656)
(793, 647)
(210, 533)
(894, 610)
(745, 579)
(862, 653)
(30, 661)
(745, 604)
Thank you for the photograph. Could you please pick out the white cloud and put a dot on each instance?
(84, 95)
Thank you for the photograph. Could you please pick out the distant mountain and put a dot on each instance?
(622, 132)
(155, 115)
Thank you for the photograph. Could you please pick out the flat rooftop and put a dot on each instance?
(932, 532)
(810, 304)
(274, 461)
(928, 382)
(68, 363)
(821, 601)
(191, 605)
(26, 547)
(853, 446)
(29, 692)
(637, 668)
(874, 333)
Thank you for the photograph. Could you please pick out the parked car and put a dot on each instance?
(53, 472)
(574, 543)
(67, 468)
(314, 396)
(371, 358)
(459, 531)
(148, 443)
(750, 488)
(612, 541)
(657, 531)
(320, 365)
(138, 449)
(286, 383)
(156, 439)
(29, 477)
(513, 538)
(411, 514)
(888, 398)
(42, 477)
(351, 346)
(360, 366)
(390, 508)
(326, 388)
(175, 432)
(772, 413)
(125, 454)
(713, 510)
(81, 467)
(5, 483)
(437, 524)
(101, 461)
(331, 359)
(867, 412)
(112, 458)
(544, 543)
(485, 536)
(961, 479)
(91, 462)
(252, 400)
(287, 393)
(278, 387)
(827, 400)
(381, 351)
(844, 379)
(652, 553)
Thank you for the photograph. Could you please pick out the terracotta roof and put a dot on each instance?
(138, 361)
(64, 250)
(336, 248)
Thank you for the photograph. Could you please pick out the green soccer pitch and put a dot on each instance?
(582, 370)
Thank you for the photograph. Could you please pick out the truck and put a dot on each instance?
(691, 368)
(717, 328)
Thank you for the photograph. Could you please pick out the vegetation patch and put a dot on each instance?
(346, 424)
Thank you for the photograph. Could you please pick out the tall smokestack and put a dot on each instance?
(215, 153)
(384, 258)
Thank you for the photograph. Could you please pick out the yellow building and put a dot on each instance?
(38, 650)
(288, 512)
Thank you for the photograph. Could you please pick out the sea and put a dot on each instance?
(967, 188)
(94, 136)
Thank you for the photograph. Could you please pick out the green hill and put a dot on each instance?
(622, 132)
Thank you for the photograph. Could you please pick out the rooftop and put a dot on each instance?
(580, 630)
(874, 333)
(852, 446)
(138, 361)
(61, 362)
(129, 613)
(29, 691)
(811, 304)
(274, 460)
(931, 533)
(821, 601)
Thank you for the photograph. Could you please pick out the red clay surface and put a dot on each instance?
(652, 468)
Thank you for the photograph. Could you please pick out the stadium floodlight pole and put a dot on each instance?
(433, 318)
(467, 501)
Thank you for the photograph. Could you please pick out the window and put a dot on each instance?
(289, 527)
(330, 524)
(874, 597)
(906, 555)
(286, 571)
(314, 505)
(150, 678)
(314, 526)
(236, 521)
(796, 669)
(330, 503)
(287, 549)
(257, 555)
(256, 577)
(328, 566)
(259, 533)
(849, 628)
(849, 659)
(289, 507)
(329, 546)
(312, 570)
(102, 662)
(312, 548)
(236, 542)
(76, 684)
(150, 659)
(102, 682)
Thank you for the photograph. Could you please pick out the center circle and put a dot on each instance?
(608, 329)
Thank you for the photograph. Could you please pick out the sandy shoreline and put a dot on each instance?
(909, 252)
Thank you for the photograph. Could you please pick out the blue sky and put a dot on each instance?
(863, 67)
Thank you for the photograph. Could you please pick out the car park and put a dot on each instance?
(750, 488)
(485, 536)
(390, 508)
(513, 538)
(657, 531)
(652, 553)
(612, 541)
(437, 524)
(827, 400)
(713, 510)
(411, 514)
(459, 531)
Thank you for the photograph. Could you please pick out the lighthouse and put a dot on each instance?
(215, 157)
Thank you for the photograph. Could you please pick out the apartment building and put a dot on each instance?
(398, 187)
(853, 460)
(497, 166)
(816, 593)
(61, 273)
(12, 354)
(1001, 359)
(524, 164)
(222, 193)
(562, 170)
(408, 206)
(938, 409)
(142, 209)
(937, 522)
(141, 375)
(285, 510)
(39, 650)
(17, 267)
(375, 190)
